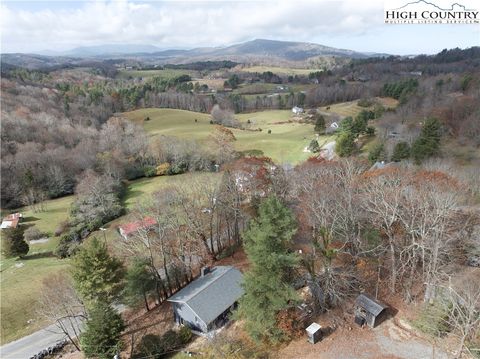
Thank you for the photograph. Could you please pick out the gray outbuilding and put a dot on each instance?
(206, 303)
(369, 311)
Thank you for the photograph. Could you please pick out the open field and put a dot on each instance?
(21, 279)
(56, 211)
(351, 108)
(21, 283)
(285, 143)
(279, 70)
(166, 73)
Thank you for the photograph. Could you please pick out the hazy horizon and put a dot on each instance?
(39, 26)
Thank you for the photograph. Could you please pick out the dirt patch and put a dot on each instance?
(238, 259)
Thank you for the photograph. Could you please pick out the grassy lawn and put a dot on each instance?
(56, 211)
(21, 283)
(166, 73)
(21, 279)
(285, 143)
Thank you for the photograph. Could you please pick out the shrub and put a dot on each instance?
(170, 340)
(269, 131)
(147, 118)
(149, 171)
(150, 346)
(433, 320)
(185, 335)
(364, 102)
(62, 227)
(32, 233)
(378, 110)
(162, 169)
(370, 131)
(178, 168)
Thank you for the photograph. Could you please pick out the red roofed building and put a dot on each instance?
(131, 228)
(11, 221)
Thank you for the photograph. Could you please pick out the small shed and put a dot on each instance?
(314, 333)
(369, 311)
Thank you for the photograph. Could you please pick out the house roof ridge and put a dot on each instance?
(229, 268)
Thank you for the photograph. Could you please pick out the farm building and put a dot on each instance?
(11, 221)
(369, 311)
(128, 229)
(205, 303)
(297, 110)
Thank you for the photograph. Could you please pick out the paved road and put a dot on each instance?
(30, 345)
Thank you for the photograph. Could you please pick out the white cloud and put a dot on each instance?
(354, 24)
(180, 24)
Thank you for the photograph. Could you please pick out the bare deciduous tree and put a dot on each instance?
(60, 304)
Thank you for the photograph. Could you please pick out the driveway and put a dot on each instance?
(387, 341)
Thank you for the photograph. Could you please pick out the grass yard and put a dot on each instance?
(284, 144)
(145, 74)
(21, 283)
(21, 279)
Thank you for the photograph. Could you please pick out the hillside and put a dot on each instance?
(260, 51)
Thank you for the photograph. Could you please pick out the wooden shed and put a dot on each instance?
(369, 311)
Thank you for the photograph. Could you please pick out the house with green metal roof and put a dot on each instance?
(206, 303)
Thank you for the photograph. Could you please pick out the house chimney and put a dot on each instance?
(205, 270)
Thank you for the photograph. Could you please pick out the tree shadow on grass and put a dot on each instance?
(131, 195)
(39, 255)
(30, 219)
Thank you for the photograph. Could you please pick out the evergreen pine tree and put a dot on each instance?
(101, 338)
(267, 289)
(320, 124)
(98, 277)
(377, 153)
(13, 243)
(314, 146)
(428, 143)
(139, 282)
(401, 151)
(345, 145)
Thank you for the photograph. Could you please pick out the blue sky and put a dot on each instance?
(29, 26)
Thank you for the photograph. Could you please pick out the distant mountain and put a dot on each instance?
(287, 50)
(255, 51)
(103, 50)
(261, 48)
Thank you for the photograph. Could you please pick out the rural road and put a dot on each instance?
(30, 345)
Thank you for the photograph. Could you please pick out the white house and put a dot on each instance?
(297, 110)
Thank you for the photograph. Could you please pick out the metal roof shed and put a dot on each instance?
(370, 311)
